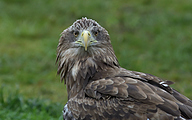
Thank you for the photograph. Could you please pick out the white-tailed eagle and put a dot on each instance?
(99, 89)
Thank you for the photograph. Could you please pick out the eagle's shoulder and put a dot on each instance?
(140, 88)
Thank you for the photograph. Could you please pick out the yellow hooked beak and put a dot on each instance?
(86, 39)
(86, 35)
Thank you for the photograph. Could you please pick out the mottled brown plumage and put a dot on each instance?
(98, 88)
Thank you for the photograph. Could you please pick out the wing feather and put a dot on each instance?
(140, 87)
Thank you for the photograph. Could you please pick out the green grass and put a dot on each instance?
(16, 107)
(148, 35)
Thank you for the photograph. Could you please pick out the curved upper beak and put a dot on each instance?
(85, 39)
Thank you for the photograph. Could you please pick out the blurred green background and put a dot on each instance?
(151, 36)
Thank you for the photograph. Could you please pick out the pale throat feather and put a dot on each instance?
(89, 62)
(75, 70)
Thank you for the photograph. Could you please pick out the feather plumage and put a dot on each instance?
(98, 88)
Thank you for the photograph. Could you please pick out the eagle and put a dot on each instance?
(100, 89)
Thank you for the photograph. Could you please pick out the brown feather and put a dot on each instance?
(98, 88)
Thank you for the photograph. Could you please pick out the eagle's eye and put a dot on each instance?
(95, 33)
(76, 33)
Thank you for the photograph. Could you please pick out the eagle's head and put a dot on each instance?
(83, 46)
(85, 38)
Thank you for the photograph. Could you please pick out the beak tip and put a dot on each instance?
(85, 48)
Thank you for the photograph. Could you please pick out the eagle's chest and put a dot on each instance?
(79, 76)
